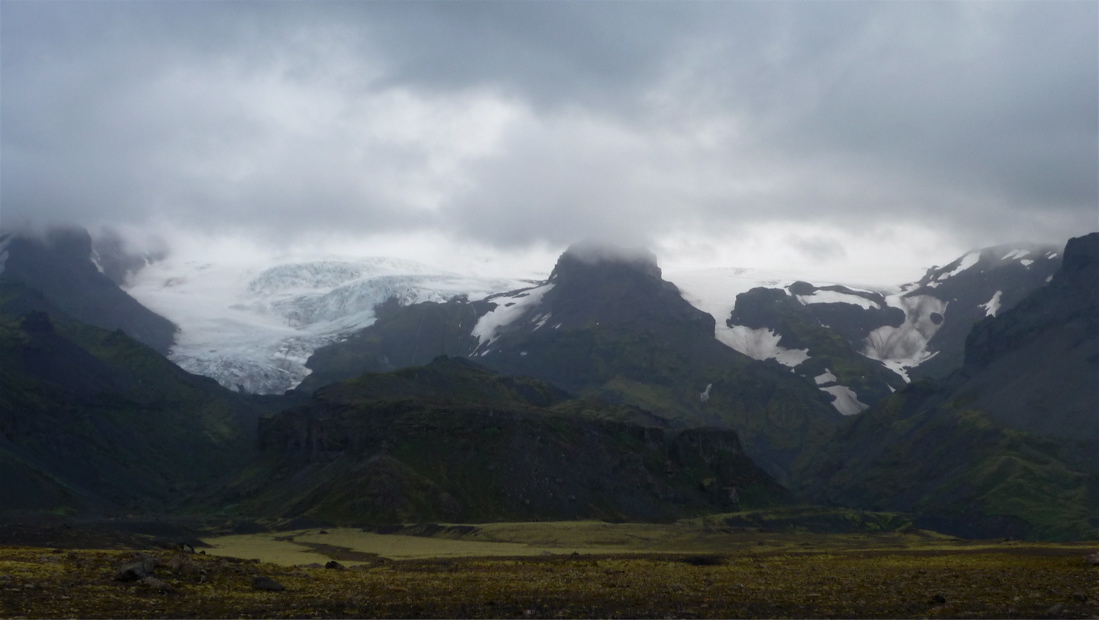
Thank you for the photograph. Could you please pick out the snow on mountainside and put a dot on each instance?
(252, 327)
(938, 310)
(715, 292)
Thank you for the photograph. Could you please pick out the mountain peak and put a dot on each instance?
(1081, 256)
(591, 253)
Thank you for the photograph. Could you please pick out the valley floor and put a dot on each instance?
(756, 574)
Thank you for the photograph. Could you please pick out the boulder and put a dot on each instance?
(135, 571)
(260, 582)
(156, 584)
(181, 564)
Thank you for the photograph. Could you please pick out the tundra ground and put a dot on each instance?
(577, 570)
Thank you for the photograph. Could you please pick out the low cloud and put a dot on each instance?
(511, 126)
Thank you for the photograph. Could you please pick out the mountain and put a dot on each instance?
(453, 441)
(59, 265)
(252, 326)
(91, 419)
(1036, 368)
(813, 337)
(606, 325)
(980, 284)
(1005, 445)
(860, 344)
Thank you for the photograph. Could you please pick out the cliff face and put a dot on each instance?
(1036, 367)
(352, 459)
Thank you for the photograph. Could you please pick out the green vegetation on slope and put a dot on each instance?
(91, 419)
(452, 441)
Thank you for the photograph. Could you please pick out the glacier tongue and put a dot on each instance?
(903, 347)
(253, 327)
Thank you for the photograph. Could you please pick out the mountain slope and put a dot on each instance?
(452, 441)
(980, 284)
(1006, 445)
(917, 329)
(814, 339)
(607, 325)
(60, 266)
(91, 419)
(1036, 368)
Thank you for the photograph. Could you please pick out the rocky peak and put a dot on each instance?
(604, 284)
(588, 256)
(59, 265)
(1080, 261)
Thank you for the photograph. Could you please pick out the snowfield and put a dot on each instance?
(509, 308)
(966, 262)
(836, 297)
(906, 346)
(252, 327)
(760, 344)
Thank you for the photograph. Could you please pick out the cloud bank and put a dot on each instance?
(685, 127)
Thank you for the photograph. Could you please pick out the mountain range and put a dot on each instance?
(400, 393)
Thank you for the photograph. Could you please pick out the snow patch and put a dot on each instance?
(966, 262)
(1026, 262)
(899, 367)
(488, 326)
(845, 400)
(906, 346)
(992, 306)
(760, 344)
(1015, 254)
(825, 377)
(836, 297)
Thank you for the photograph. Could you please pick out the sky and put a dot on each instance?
(867, 139)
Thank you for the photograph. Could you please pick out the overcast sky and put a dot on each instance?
(872, 136)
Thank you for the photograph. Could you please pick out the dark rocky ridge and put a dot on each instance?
(966, 292)
(1036, 367)
(393, 448)
(94, 420)
(59, 265)
(1005, 446)
(823, 329)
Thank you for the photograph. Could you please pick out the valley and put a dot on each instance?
(598, 443)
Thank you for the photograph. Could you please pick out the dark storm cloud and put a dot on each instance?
(513, 122)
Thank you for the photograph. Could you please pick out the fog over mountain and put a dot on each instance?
(865, 140)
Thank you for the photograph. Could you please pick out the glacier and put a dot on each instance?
(252, 327)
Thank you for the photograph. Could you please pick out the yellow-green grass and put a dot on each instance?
(298, 547)
(706, 535)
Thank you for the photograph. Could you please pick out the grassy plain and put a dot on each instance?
(695, 568)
